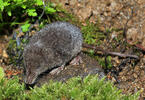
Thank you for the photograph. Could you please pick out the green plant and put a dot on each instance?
(13, 12)
(91, 34)
(102, 62)
(11, 89)
(90, 88)
(2, 74)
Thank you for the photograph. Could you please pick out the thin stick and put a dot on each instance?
(123, 55)
(109, 52)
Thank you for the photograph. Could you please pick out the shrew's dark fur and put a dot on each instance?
(54, 45)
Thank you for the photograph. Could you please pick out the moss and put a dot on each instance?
(92, 34)
(90, 88)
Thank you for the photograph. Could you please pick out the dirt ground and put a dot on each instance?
(128, 15)
(118, 14)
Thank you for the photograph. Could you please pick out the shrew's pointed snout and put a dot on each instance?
(30, 78)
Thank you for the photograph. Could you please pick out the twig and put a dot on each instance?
(109, 52)
(137, 45)
(42, 11)
(123, 55)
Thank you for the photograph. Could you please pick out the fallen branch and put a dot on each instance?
(109, 52)
(137, 45)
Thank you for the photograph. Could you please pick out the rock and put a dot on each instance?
(4, 54)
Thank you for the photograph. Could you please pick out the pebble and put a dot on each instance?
(5, 55)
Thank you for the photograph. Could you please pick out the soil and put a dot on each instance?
(109, 14)
(116, 14)
(126, 15)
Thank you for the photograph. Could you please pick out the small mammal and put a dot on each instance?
(53, 46)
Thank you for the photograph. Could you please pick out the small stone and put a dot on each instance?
(142, 73)
(116, 60)
(143, 59)
(132, 34)
(113, 79)
(135, 75)
(88, 12)
(1, 60)
(6, 37)
(32, 33)
(5, 55)
(95, 12)
(0, 51)
(20, 34)
(114, 35)
(121, 73)
(143, 43)
(137, 69)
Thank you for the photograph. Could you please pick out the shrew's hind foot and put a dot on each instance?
(76, 61)
(57, 70)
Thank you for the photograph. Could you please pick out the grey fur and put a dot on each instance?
(51, 47)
